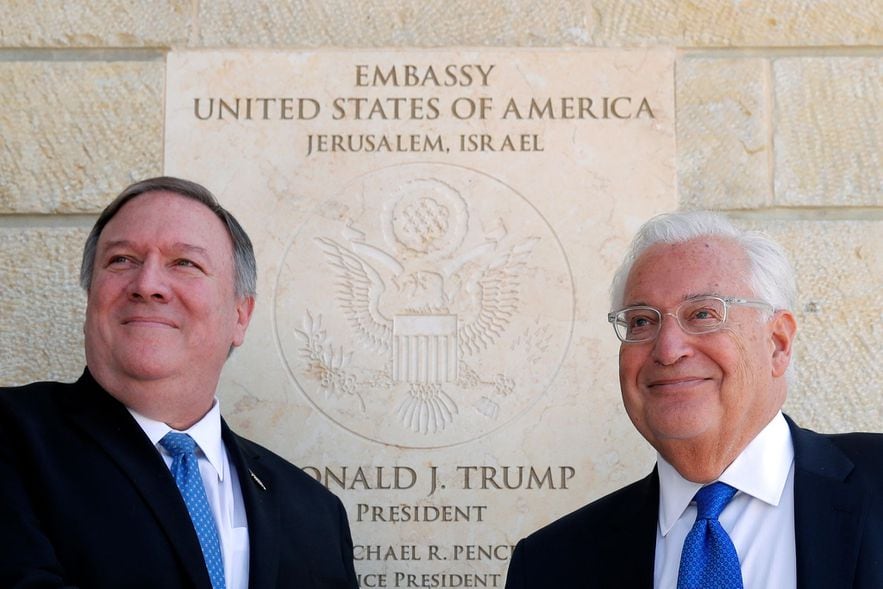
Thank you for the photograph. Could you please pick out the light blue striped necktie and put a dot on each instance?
(709, 559)
(185, 471)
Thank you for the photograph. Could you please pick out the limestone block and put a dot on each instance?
(728, 23)
(827, 131)
(85, 23)
(41, 335)
(76, 133)
(839, 269)
(416, 23)
(391, 23)
(722, 146)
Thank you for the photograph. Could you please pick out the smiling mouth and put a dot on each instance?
(148, 322)
(676, 383)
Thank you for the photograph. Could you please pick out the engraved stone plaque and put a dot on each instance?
(435, 234)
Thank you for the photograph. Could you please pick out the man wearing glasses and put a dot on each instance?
(740, 495)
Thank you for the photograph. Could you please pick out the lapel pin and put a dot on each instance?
(256, 479)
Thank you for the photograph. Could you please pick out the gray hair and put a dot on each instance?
(770, 273)
(244, 264)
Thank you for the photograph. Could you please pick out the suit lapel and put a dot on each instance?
(261, 508)
(105, 420)
(631, 547)
(646, 521)
(827, 512)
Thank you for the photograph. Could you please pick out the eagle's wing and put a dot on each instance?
(358, 288)
(498, 284)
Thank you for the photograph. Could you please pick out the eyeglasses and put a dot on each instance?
(703, 314)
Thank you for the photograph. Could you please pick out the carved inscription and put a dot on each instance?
(415, 564)
(438, 108)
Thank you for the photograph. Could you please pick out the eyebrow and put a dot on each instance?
(686, 297)
(180, 245)
(192, 248)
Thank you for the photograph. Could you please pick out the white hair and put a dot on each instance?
(771, 276)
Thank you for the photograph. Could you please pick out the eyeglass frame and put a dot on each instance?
(727, 301)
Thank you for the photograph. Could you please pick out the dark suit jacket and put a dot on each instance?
(87, 501)
(838, 508)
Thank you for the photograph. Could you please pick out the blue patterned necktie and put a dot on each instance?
(185, 471)
(709, 559)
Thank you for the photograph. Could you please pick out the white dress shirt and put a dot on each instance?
(221, 488)
(759, 519)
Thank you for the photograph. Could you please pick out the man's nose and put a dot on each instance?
(149, 283)
(672, 343)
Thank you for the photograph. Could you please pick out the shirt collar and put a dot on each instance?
(206, 433)
(761, 470)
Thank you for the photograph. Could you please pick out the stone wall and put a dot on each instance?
(778, 124)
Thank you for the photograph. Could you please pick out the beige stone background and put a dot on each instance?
(778, 121)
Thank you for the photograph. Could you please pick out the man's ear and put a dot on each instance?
(783, 329)
(244, 309)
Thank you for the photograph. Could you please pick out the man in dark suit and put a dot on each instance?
(702, 311)
(129, 477)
